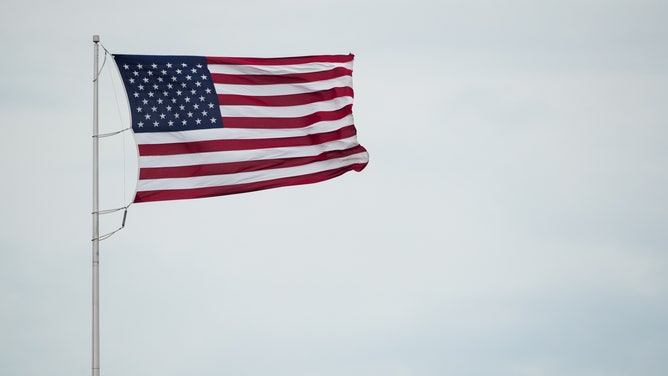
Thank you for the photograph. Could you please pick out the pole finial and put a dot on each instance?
(96, 38)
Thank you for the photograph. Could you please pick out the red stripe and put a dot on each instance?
(282, 123)
(180, 194)
(281, 60)
(244, 144)
(276, 79)
(285, 100)
(236, 167)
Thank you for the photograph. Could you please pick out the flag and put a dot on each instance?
(212, 126)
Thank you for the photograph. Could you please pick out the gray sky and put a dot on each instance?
(511, 220)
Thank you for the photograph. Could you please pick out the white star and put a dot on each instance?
(135, 73)
(164, 72)
(171, 123)
(210, 105)
(169, 65)
(136, 95)
(154, 65)
(178, 71)
(150, 94)
(139, 66)
(169, 108)
(190, 114)
(182, 107)
(155, 87)
(203, 76)
(150, 73)
(165, 93)
(160, 101)
(138, 109)
(184, 64)
(162, 116)
(183, 85)
(155, 124)
(198, 84)
(145, 101)
(159, 79)
(208, 91)
(147, 116)
(204, 113)
(201, 99)
(213, 120)
(126, 66)
(140, 124)
(189, 77)
(199, 65)
(132, 80)
(198, 121)
(176, 116)
(193, 91)
(141, 87)
(187, 99)
(154, 109)
(194, 70)
(184, 122)
(169, 86)
(179, 92)
(145, 80)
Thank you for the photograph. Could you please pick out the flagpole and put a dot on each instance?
(96, 223)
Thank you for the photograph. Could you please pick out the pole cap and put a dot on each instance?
(96, 38)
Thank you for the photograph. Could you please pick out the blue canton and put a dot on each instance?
(169, 93)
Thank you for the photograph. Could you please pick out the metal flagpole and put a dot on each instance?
(96, 223)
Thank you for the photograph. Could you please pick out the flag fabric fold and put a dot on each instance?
(212, 126)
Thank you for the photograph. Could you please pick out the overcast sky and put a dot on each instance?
(511, 221)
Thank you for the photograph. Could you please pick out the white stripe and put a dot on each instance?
(285, 111)
(251, 176)
(276, 69)
(284, 89)
(244, 155)
(240, 133)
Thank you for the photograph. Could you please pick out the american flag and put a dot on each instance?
(211, 126)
